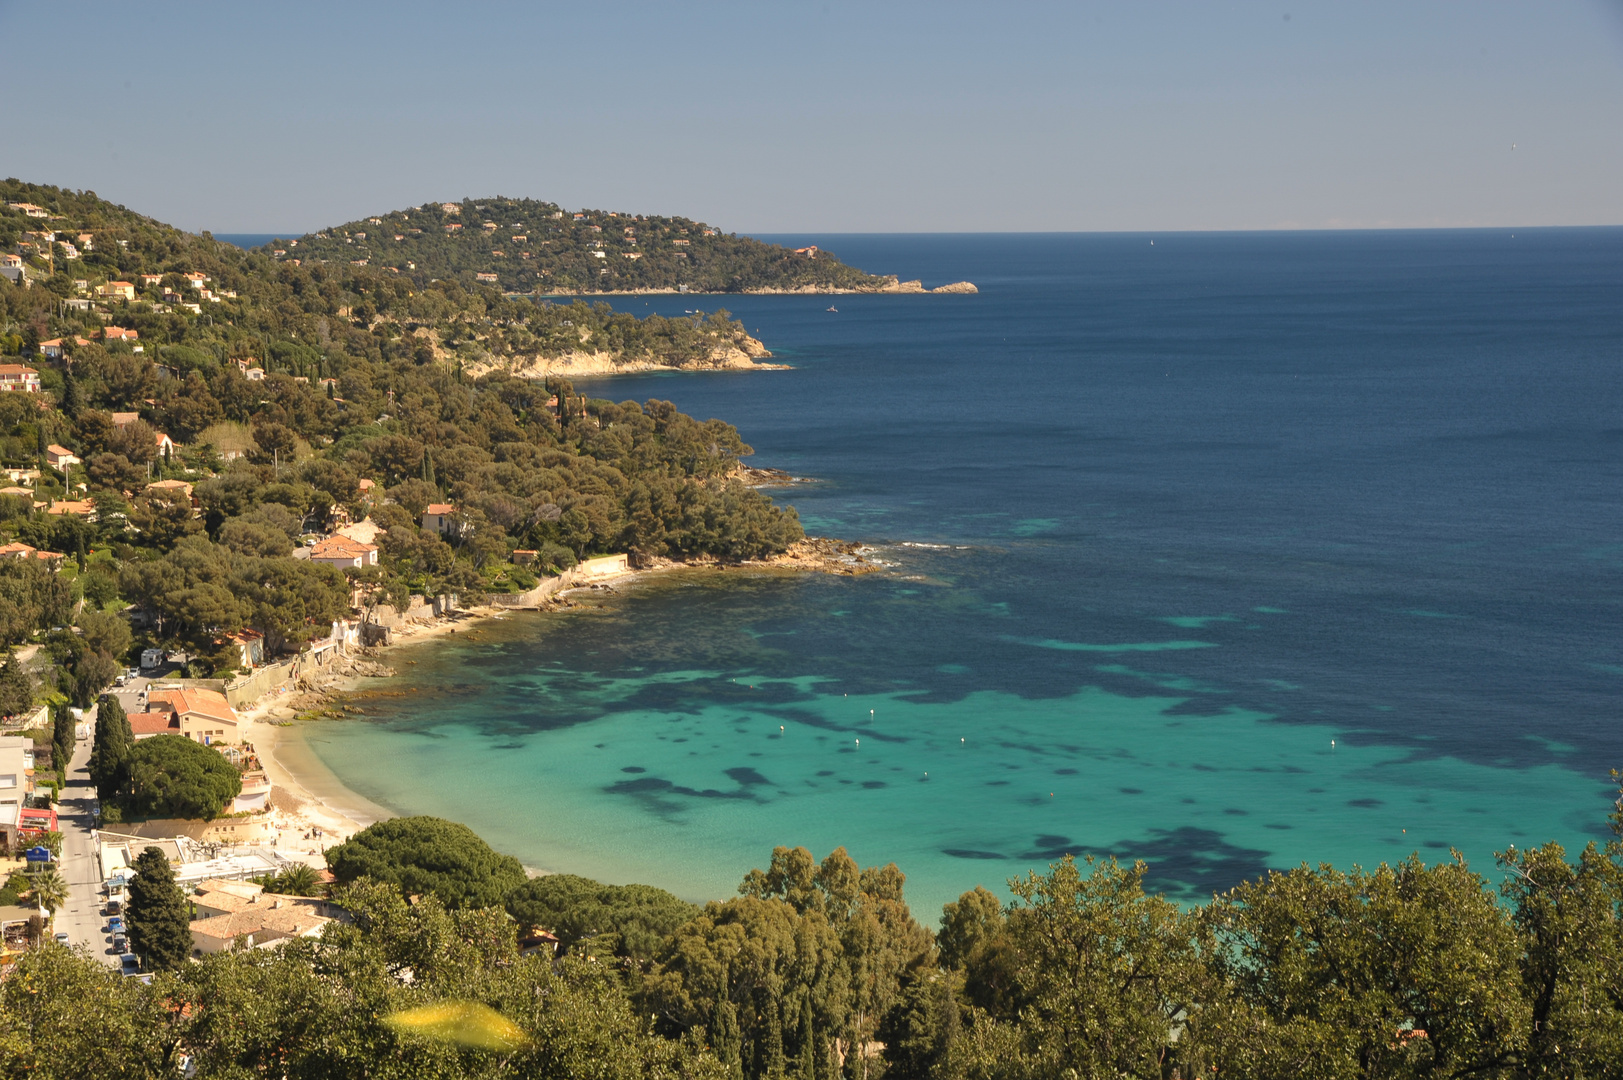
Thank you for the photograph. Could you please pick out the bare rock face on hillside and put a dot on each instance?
(956, 287)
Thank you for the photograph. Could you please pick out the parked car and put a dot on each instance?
(115, 906)
(121, 944)
(60, 937)
(115, 925)
(121, 680)
(130, 964)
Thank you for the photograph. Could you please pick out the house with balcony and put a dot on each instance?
(18, 377)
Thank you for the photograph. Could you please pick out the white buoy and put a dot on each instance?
(859, 742)
(1332, 746)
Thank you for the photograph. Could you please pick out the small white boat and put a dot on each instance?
(834, 309)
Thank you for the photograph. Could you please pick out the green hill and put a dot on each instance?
(192, 416)
(526, 246)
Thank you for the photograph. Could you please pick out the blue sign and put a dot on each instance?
(37, 854)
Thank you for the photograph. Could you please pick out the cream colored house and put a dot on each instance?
(344, 553)
(229, 911)
(205, 716)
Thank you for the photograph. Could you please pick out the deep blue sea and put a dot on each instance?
(1222, 551)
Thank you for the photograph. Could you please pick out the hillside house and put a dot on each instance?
(204, 715)
(118, 333)
(489, 279)
(344, 553)
(122, 418)
(60, 458)
(150, 280)
(54, 349)
(11, 266)
(29, 208)
(19, 550)
(166, 445)
(440, 518)
(18, 377)
(450, 208)
(116, 290)
(172, 487)
(77, 507)
(197, 280)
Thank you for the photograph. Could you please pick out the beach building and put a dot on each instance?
(344, 553)
(19, 377)
(193, 861)
(203, 715)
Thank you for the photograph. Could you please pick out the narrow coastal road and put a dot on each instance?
(82, 916)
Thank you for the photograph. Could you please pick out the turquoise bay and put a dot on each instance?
(1162, 524)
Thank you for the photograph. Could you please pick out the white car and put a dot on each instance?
(60, 937)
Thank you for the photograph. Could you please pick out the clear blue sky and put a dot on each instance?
(876, 115)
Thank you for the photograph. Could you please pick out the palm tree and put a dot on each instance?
(49, 889)
(297, 880)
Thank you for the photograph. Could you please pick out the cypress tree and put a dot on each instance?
(808, 1044)
(110, 756)
(725, 1039)
(62, 738)
(159, 916)
(428, 467)
(71, 401)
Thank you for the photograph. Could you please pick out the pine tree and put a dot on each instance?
(16, 688)
(110, 756)
(158, 915)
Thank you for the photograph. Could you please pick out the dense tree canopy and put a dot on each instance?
(625, 920)
(422, 855)
(172, 776)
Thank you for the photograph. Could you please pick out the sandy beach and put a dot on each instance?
(307, 796)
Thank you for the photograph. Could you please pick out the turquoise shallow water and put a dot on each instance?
(1165, 522)
(539, 732)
